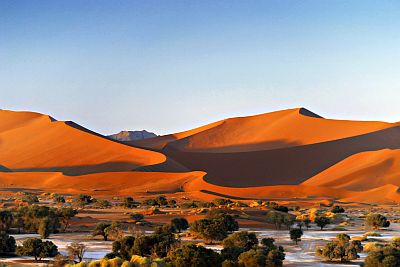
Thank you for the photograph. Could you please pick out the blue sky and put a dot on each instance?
(167, 66)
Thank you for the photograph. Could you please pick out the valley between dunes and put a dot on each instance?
(290, 155)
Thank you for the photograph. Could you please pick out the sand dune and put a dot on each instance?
(363, 171)
(286, 155)
(34, 142)
(280, 129)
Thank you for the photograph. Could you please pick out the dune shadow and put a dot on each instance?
(285, 166)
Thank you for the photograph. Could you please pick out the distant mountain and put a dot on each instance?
(132, 135)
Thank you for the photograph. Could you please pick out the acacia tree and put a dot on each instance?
(341, 249)
(76, 250)
(179, 224)
(322, 222)
(295, 235)
(377, 221)
(37, 248)
(65, 215)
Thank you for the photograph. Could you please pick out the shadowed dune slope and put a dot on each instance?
(280, 129)
(106, 183)
(291, 165)
(35, 142)
(362, 171)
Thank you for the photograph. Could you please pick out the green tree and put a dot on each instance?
(322, 222)
(342, 248)
(179, 224)
(45, 228)
(295, 235)
(307, 223)
(66, 214)
(384, 257)
(242, 239)
(194, 256)
(129, 203)
(7, 243)
(376, 221)
(137, 216)
(100, 229)
(6, 220)
(337, 209)
(37, 248)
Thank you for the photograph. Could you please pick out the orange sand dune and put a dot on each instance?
(34, 142)
(384, 194)
(281, 129)
(363, 171)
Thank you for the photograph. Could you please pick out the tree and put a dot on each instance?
(295, 235)
(386, 256)
(7, 243)
(230, 223)
(377, 221)
(342, 248)
(6, 219)
(242, 239)
(37, 248)
(307, 223)
(84, 200)
(76, 250)
(209, 229)
(100, 229)
(179, 224)
(322, 222)
(129, 203)
(137, 216)
(337, 209)
(65, 215)
(45, 228)
(194, 256)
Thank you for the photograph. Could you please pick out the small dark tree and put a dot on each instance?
(7, 243)
(295, 235)
(307, 223)
(137, 217)
(101, 230)
(129, 203)
(377, 221)
(179, 224)
(84, 200)
(322, 222)
(337, 209)
(6, 219)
